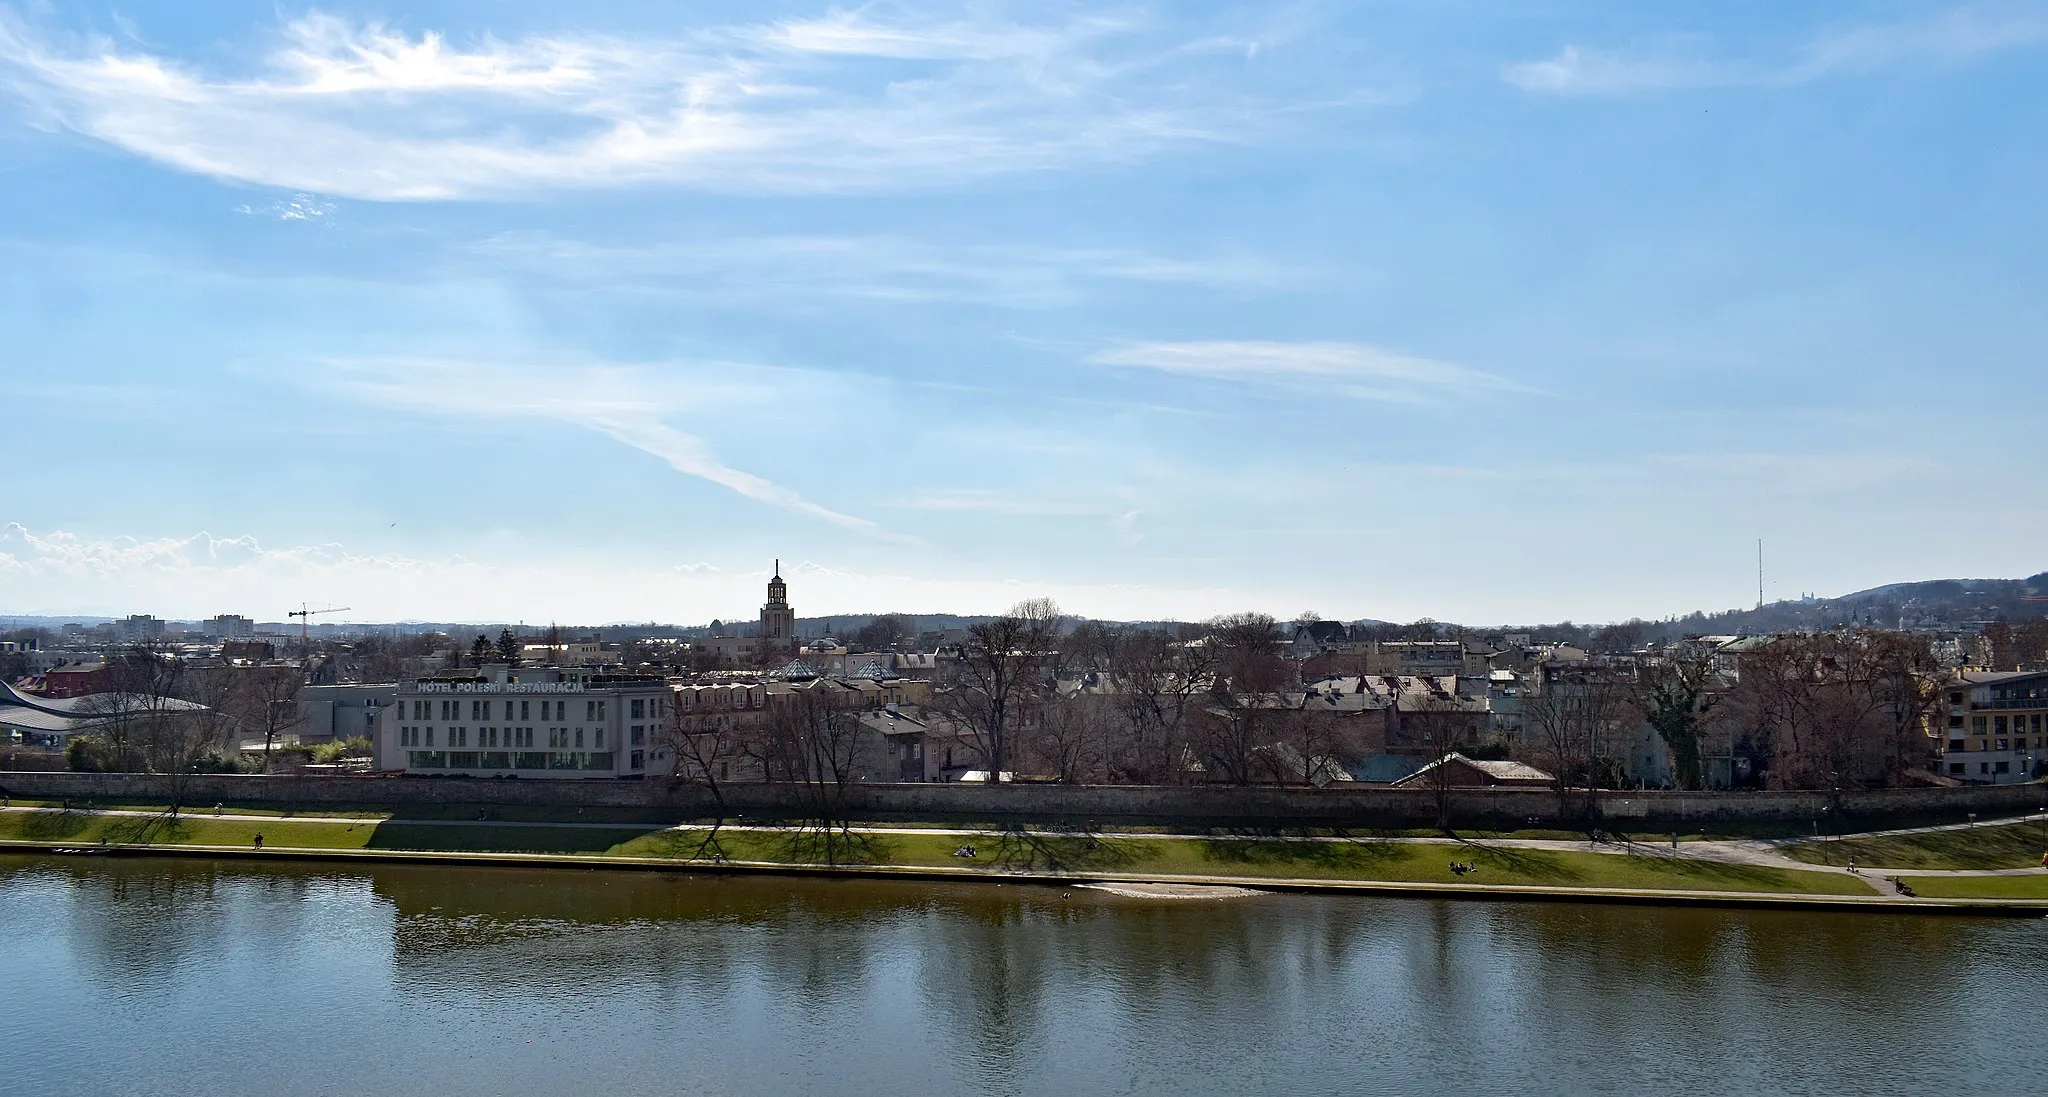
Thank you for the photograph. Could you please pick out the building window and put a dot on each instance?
(430, 736)
(579, 737)
(1998, 725)
(2002, 744)
(639, 709)
(523, 706)
(2004, 767)
(639, 735)
(1979, 725)
(1955, 768)
(639, 760)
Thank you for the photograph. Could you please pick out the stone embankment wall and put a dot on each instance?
(1363, 807)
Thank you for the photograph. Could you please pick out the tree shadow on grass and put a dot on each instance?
(487, 838)
(1752, 877)
(1021, 849)
(830, 842)
(142, 830)
(50, 826)
(1361, 857)
(693, 844)
(1529, 864)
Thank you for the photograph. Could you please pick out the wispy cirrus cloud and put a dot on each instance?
(1944, 37)
(1345, 369)
(848, 101)
(878, 268)
(627, 404)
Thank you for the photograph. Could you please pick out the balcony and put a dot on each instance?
(2025, 703)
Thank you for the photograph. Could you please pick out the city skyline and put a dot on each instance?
(1161, 313)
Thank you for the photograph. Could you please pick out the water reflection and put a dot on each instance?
(512, 981)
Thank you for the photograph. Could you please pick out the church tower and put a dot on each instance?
(778, 620)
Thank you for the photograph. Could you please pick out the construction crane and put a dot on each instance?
(305, 617)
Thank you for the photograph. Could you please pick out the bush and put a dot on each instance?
(85, 755)
(327, 754)
(215, 763)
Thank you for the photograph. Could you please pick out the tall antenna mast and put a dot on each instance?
(1759, 573)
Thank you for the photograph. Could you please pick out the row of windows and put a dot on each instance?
(2001, 744)
(1997, 724)
(582, 760)
(562, 738)
(1984, 769)
(446, 709)
(410, 736)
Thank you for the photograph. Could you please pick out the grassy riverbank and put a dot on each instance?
(1052, 852)
(1980, 887)
(1968, 849)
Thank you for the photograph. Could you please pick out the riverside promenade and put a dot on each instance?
(1743, 873)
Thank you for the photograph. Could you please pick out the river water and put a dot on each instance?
(173, 977)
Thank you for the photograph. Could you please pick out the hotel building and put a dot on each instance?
(501, 721)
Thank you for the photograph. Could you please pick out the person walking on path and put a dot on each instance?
(259, 840)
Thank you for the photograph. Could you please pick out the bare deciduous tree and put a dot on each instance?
(702, 750)
(1572, 722)
(1836, 709)
(1001, 675)
(267, 701)
(1244, 699)
(1067, 738)
(1159, 682)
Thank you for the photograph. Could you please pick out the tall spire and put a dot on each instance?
(778, 567)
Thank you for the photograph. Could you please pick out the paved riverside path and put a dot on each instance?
(1747, 852)
(1761, 853)
(1744, 852)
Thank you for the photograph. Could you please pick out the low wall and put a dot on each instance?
(1362, 807)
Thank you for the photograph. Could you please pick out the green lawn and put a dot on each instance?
(1980, 887)
(86, 828)
(1361, 859)
(2009, 845)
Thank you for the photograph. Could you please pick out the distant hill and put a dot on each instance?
(1929, 603)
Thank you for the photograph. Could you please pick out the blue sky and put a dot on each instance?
(586, 312)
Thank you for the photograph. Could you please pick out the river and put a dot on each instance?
(168, 977)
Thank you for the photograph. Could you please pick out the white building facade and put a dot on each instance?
(526, 722)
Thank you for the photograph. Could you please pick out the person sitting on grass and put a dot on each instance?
(964, 851)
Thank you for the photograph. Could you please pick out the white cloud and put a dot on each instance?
(189, 578)
(1346, 369)
(877, 268)
(851, 100)
(299, 207)
(1944, 37)
(1576, 71)
(624, 403)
